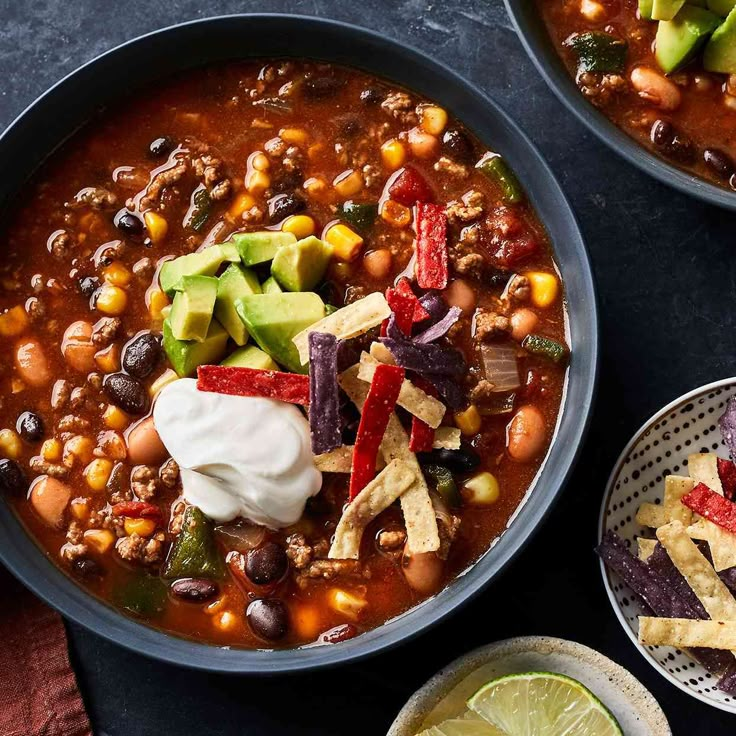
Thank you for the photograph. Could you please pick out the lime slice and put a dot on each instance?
(543, 704)
(467, 725)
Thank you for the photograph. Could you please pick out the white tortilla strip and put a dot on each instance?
(347, 322)
(686, 633)
(446, 438)
(651, 515)
(382, 354)
(340, 460)
(376, 497)
(721, 542)
(675, 487)
(645, 547)
(703, 468)
(417, 402)
(698, 572)
(421, 525)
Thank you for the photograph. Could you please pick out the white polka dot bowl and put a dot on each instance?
(661, 447)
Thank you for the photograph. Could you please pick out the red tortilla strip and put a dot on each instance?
(377, 410)
(712, 506)
(421, 438)
(290, 387)
(402, 305)
(431, 246)
(404, 287)
(727, 474)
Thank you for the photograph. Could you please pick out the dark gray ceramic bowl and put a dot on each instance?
(530, 27)
(64, 107)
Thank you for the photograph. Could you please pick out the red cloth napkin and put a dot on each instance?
(38, 690)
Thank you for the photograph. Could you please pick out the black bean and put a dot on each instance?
(349, 125)
(142, 354)
(128, 223)
(268, 618)
(498, 277)
(720, 162)
(286, 182)
(671, 143)
(457, 145)
(317, 88)
(12, 478)
(86, 568)
(662, 133)
(88, 285)
(30, 426)
(196, 590)
(161, 146)
(266, 564)
(126, 392)
(283, 206)
(458, 461)
(371, 96)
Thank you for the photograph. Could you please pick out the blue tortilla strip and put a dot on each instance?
(439, 329)
(449, 391)
(426, 359)
(727, 683)
(435, 305)
(727, 424)
(660, 562)
(324, 393)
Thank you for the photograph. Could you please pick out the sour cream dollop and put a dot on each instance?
(238, 455)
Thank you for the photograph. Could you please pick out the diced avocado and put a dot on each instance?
(598, 51)
(721, 7)
(186, 355)
(251, 357)
(273, 320)
(204, 263)
(720, 51)
(194, 553)
(262, 246)
(271, 286)
(230, 252)
(360, 215)
(678, 40)
(192, 309)
(645, 9)
(301, 265)
(666, 9)
(235, 282)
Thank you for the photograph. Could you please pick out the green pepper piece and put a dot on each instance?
(142, 594)
(330, 309)
(546, 347)
(598, 52)
(444, 484)
(194, 554)
(361, 216)
(200, 209)
(496, 169)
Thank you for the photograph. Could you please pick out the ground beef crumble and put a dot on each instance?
(144, 482)
(490, 325)
(139, 549)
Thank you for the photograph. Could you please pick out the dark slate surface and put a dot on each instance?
(666, 280)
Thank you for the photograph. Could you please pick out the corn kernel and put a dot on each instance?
(346, 243)
(215, 606)
(226, 621)
(108, 360)
(117, 274)
(395, 214)
(315, 185)
(13, 322)
(302, 226)
(259, 161)
(17, 386)
(393, 154)
(592, 11)
(468, 421)
(99, 539)
(348, 184)
(157, 300)
(156, 225)
(256, 182)
(348, 604)
(482, 489)
(11, 445)
(433, 119)
(115, 418)
(141, 527)
(111, 300)
(295, 136)
(97, 473)
(163, 380)
(52, 450)
(242, 203)
(545, 288)
(315, 151)
(80, 508)
(78, 448)
(306, 620)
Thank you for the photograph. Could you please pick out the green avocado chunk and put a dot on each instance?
(720, 51)
(666, 9)
(251, 357)
(186, 355)
(262, 246)
(191, 312)
(273, 320)
(301, 265)
(235, 282)
(678, 40)
(645, 9)
(203, 263)
(194, 553)
(271, 286)
(598, 51)
(721, 7)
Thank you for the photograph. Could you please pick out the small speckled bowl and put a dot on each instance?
(445, 694)
(660, 447)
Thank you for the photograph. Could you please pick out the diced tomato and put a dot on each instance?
(410, 187)
(514, 251)
(137, 510)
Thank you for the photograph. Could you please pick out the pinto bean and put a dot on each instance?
(523, 322)
(49, 498)
(422, 571)
(460, 294)
(77, 347)
(144, 444)
(378, 263)
(526, 434)
(655, 88)
(423, 145)
(31, 362)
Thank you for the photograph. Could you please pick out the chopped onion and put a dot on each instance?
(241, 536)
(501, 366)
(275, 104)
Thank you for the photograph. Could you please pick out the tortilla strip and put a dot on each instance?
(421, 524)
(381, 353)
(700, 575)
(347, 322)
(675, 487)
(703, 468)
(446, 438)
(645, 547)
(376, 497)
(340, 460)
(686, 633)
(417, 402)
(651, 515)
(721, 542)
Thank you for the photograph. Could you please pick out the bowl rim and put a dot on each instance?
(550, 66)
(636, 437)
(21, 554)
